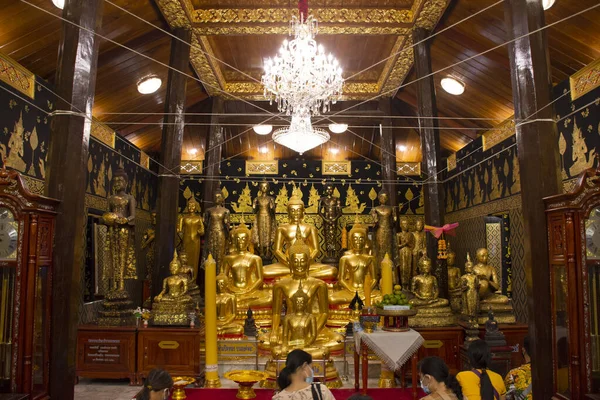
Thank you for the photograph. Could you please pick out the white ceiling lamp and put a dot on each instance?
(149, 84)
(547, 3)
(193, 151)
(453, 86)
(300, 136)
(338, 128)
(262, 129)
(334, 150)
(263, 149)
(59, 3)
(401, 148)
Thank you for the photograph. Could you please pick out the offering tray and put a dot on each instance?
(245, 379)
(396, 320)
(180, 382)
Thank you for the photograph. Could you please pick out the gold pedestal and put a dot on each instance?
(179, 383)
(503, 313)
(171, 313)
(431, 317)
(117, 309)
(245, 379)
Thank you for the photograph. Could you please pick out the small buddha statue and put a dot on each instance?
(250, 324)
(488, 280)
(493, 336)
(287, 235)
(405, 242)
(173, 304)
(454, 289)
(226, 310)
(191, 229)
(216, 221)
(193, 288)
(419, 245)
(431, 309)
(384, 217)
(353, 268)
(265, 226)
(469, 284)
(244, 270)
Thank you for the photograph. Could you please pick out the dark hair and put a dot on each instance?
(157, 380)
(295, 359)
(480, 357)
(527, 345)
(437, 368)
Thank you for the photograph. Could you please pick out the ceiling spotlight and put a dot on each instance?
(263, 149)
(262, 129)
(338, 128)
(149, 84)
(193, 151)
(59, 3)
(334, 150)
(453, 86)
(401, 148)
(547, 4)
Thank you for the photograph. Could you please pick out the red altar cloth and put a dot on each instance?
(267, 394)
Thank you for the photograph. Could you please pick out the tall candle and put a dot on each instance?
(386, 275)
(367, 287)
(210, 323)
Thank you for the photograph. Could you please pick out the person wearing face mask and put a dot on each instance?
(157, 386)
(295, 380)
(436, 380)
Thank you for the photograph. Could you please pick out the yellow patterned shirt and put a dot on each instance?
(519, 379)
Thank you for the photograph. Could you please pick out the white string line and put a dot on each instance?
(597, 100)
(154, 60)
(462, 61)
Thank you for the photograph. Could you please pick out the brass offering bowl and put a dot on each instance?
(369, 319)
(396, 320)
(246, 379)
(179, 383)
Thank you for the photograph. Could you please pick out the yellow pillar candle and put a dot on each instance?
(386, 275)
(367, 287)
(210, 324)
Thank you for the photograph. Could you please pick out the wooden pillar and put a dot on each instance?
(214, 152)
(537, 149)
(388, 152)
(170, 152)
(66, 181)
(430, 145)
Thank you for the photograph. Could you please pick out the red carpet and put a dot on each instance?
(266, 394)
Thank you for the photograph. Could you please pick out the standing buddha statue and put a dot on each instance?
(405, 241)
(385, 218)
(287, 235)
(216, 221)
(489, 297)
(330, 209)
(469, 285)
(191, 228)
(173, 304)
(454, 289)
(419, 245)
(265, 226)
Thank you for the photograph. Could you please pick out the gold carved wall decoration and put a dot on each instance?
(353, 204)
(336, 167)
(204, 67)
(176, 12)
(103, 133)
(281, 200)
(585, 80)
(191, 167)
(503, 131)
(313, 200)
(262, 168)
(451, 162)
(579, 156)
(99, 203)
(144, 160)
(237, 30)
(35, 186)
(431, 13)
(244, 203)
(15, 75)
(396, 69)
(408, 168)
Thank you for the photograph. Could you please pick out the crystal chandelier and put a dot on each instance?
(300, 136)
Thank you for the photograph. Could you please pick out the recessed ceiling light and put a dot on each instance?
(193, 151)
(547, 4)
(149, 84)
(59, 3)
(402, 148)
(263, 149)
(262, 129)
(453, 86)
(334, 150)
(338, 128)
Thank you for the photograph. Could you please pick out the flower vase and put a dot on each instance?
(145, 323)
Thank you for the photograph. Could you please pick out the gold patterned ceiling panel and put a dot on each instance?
(229, 30)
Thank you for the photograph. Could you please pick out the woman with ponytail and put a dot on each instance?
(295, 380)
(157, 386)
(437, 381)
(480, 383)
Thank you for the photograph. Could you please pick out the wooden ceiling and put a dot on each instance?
(31, 37)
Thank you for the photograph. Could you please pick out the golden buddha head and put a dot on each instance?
(119, 180)
(404, 224)
(295, 209)
(175, 265)
(482, 255)
(240, 236)
(425, 265)
(219, 198)
(300, 299)
(383, 197)
(299, 255)
(358, 237)
(193, 206)
(329, 190)
(451, 259)
(419, 225)
(263, 187)
(183, 257)
(221, 282)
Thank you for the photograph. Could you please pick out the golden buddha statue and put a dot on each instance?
(244, 271)
(173, 304)
(469, 285)
(489, 298)
(227, 310)
(419, 245)
(330, 210)
(193, 288)
(354, 266)
(191, 228)
(405, 242)
(431, 309)
(287, 235)
(454, 288)
(216, 221)
(384, 217)
(265, 225)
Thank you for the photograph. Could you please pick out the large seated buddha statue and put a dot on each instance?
(489, 298)
(244, 270)
(173, 304)
(287, 235)
(431, 309)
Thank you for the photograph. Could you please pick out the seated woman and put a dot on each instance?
(437, 381)
(295, 380)
(157, 386)
(480, 383)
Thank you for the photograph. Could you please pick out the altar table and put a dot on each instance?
(394, 349)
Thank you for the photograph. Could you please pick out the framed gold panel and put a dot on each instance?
(262, 167)
(585, 80)
(15, 75)
(408, 168)
(191, 167)
(336, 167)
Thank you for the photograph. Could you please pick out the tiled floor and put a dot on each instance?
(98, 389)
